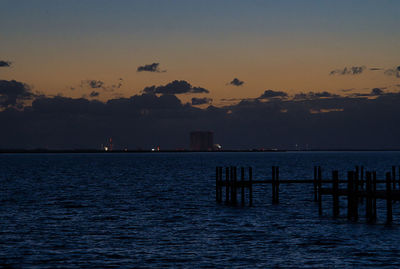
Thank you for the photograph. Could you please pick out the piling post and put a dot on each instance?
(227, 185)
(216, 184)
(394, 180)
(350, 202)
(277, 184)
(242, 183)
(398, 172)
(374, 213)
(220, 183)
(356, 196)
(368, 206)
(273, 183)
(357, 172)
(250, 186)
(389, 216)
(231, 185)
(234, 185)
(319, 190)
(362, 182)
(315, 185)
(335, 193)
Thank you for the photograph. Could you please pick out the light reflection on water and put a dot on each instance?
(159, 210)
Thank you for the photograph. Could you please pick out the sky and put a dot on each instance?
(281, 45)
(227, 51)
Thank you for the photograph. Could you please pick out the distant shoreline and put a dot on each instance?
(5, 151)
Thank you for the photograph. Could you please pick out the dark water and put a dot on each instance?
(159, 210)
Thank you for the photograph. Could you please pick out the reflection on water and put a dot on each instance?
(159, 210)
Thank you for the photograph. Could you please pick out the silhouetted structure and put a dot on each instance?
(201, 141)
(359, 187)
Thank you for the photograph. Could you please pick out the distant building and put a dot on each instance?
(201, 141)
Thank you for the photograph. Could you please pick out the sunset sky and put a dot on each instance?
(259, 74)
(56, 46)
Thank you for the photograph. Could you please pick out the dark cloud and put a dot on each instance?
(315, 95)
(175, 87)
(154, 67)
(320, 120)
(373, 93)
(230, 99)
(377, 91)
(201, 101)
(100, 85)
(93, 84)
(354, 70)
(273, 94)
(236, 82)
(13, 93)
(348, 90)
(5, 63)
(94, 94)
(393, 72)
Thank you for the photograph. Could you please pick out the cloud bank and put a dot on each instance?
(175, 87)
(14, 93)
(201, 101)
(318, 120)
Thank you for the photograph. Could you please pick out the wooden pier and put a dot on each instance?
(358, 188)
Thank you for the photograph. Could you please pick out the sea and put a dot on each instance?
(158, 210)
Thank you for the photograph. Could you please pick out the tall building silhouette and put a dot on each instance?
(201, 141)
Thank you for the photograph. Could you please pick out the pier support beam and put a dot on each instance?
(319, 190)
(250, 186)
(389, 216)
(335, 193)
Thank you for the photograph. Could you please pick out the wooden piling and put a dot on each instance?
(389, 216)
(374, 213)
(357, 172)
(350, 202)
(398, 172)
(335, 193)
(227, 185)
(242, 183)
(250, 186)
(356, 196)
(277, 184)
(220, 183)
(273, 183)
(217, 184)
(315, 185)
(231, 191)
(362, 182)
(393, 179)
(234, 185)
(368, 206)
(319, 190)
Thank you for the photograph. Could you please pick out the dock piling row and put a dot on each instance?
(359, 187)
